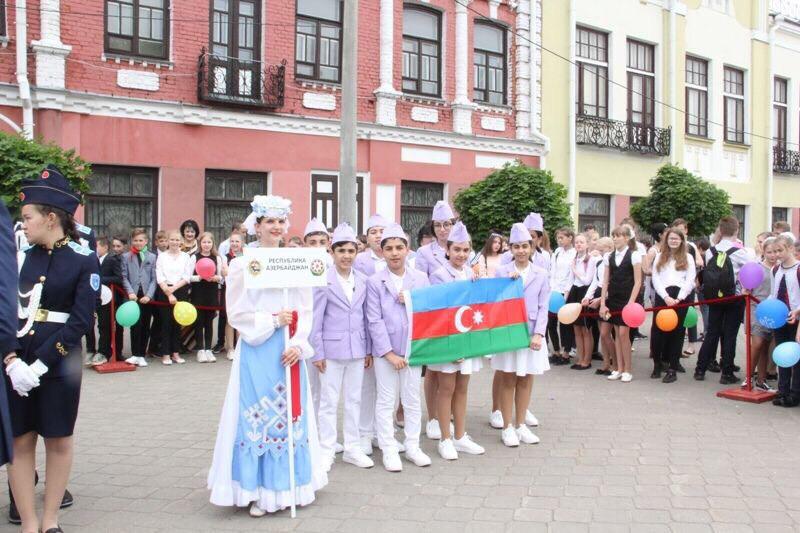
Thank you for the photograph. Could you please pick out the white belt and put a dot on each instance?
(43, 315)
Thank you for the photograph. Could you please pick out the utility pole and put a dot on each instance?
(348, 188)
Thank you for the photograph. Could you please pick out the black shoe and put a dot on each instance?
(791, 401)
(656, 374)
(601, 372)
(597, 356)
(699, 375)
(681, 369)
(638, 335)
(217, 349)
(728, 379)
(576, 366)
(670, 377)
(67, 500)
(772, 377)
(714, 367)
(13, 513)
(736, 368)
(56, 529)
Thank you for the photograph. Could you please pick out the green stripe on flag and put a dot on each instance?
(447, 349)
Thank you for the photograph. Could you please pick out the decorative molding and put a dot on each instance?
(326, 102)
(424, 114)
(493, 123)
(137, 79)
(118, 59)
(424, 155)
(493, 6)
(491, 161)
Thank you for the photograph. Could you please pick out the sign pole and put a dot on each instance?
(290, 417)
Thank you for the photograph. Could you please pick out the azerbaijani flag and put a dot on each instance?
(465, 319)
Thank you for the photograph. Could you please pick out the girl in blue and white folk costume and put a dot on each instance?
(251, 460)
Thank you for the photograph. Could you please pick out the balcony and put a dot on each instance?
(785, 161)
(236, 82)
(622, 135)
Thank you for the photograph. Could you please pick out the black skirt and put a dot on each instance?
(50, 409)
(576, 295)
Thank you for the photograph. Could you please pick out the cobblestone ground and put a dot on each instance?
(642, 456)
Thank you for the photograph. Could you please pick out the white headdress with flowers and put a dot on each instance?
(267, 206)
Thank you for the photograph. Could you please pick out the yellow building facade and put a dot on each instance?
(710, 85)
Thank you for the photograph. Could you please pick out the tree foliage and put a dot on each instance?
(22, 159)
(677, 193)
(507, 196)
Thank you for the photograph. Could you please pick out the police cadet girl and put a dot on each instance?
(517, 368)
(205, 293)
(388, 330)
(59, 285)
(251, 463)
(173, 275)
(341, 349)
(451, 396)
(621, 284)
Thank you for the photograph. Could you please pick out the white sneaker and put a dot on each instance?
(140, 361)
(614, 376)
(400, 446)
(627, 377)
(531, 420)
(358, 458)
(447, 450)
(496, 419)
(366, 445)
(432, 430)
(509, 437)
(338, 448)
(88, 358)
(256, 511)
(166, 361)
(201, 356)
(132, 361)
(99, 359)
(418, 457)
(467, 445)
(229, 355)
(210, 357)
(391, 461)
(526, 435)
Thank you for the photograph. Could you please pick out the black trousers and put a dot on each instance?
(788, 378)
(140, 332)
(104, 327)
(560, 335)
(668, 344)
(204, 329)
(724, 320)
(171, 330)
(91, 338)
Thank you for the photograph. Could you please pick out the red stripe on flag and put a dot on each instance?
(442, 322)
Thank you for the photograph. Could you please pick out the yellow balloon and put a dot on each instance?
(569, 313)
(185, 313)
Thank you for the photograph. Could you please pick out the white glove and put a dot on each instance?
(23, 378)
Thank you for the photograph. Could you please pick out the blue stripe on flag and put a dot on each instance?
(458, 293)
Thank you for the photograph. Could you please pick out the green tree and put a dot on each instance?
(677, 193)
(507, 196)
(22, 159)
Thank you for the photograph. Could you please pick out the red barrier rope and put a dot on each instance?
(724, 299)
(165, 304)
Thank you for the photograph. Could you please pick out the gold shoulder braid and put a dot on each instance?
(62, 242)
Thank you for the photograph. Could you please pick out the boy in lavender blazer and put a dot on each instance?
(342, 348)
(389, 330)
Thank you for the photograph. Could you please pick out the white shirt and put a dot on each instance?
(561, 268)
(585, 271)
(348, 285)
(397, 281)
(792, 285)
(524, 272)
(170, 269)
(224, 247)
(619, 255)
(461, 275)
(380, 262)
(669, 277)
(102, 258)
(599, 272)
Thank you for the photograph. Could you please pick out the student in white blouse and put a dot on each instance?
(560, 268)
(173, 275)
(580, 277)
(673, 275)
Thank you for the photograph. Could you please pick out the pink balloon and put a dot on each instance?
(205, 268)
(751, 275)
(633, 315)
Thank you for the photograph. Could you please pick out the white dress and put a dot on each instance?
(525, 361)
(250, 313)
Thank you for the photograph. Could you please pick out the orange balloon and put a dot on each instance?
(667, 320)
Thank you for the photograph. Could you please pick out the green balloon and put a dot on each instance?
(691, 318)
(128, 314)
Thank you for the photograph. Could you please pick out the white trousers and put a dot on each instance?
(313, 379)
(338, 375)
(392, 383)
(367, 418)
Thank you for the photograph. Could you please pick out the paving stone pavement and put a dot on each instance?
(642, 456)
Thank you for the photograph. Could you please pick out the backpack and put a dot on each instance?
(718, 278)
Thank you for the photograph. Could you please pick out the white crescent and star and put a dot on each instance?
(477, 318)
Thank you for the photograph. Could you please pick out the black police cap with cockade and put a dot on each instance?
(50, 188)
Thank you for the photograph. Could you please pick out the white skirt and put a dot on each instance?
(523, 362)
(466, 367)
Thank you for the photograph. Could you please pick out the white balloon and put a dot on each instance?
(105, 295)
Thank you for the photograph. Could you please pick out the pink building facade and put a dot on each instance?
(187, 111)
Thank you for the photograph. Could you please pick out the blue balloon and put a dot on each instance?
(557, 301)
(772, 313)
(786, 354)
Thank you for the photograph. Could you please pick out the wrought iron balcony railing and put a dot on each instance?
(239, 82)
(785, 161)
(621, 135)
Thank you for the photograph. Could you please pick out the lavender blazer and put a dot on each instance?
(430, 257)
(364, 263)
(388, 323)
(339, 330)
(540, 259)
(447, 273)
(536, 290)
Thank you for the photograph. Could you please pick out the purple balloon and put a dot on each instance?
(751, 275)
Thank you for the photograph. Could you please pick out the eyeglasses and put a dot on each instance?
(442, 225)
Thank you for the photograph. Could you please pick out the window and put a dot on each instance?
(325, 200)
(421, 51)
(595, 209)
(696, 96)
(318, 42)
(641, 84)
(740, 212)
(733, 91)
(228, 197)
(417, 199)
(121, 198)
(2, 19)
(234, 67)
(592, 88)
(780, 110)
(489, 64)
(138, 27)
(780, 214)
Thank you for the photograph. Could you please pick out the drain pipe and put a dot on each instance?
(776, 21)
(673, 74)
(22, 70)
(572, 183)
